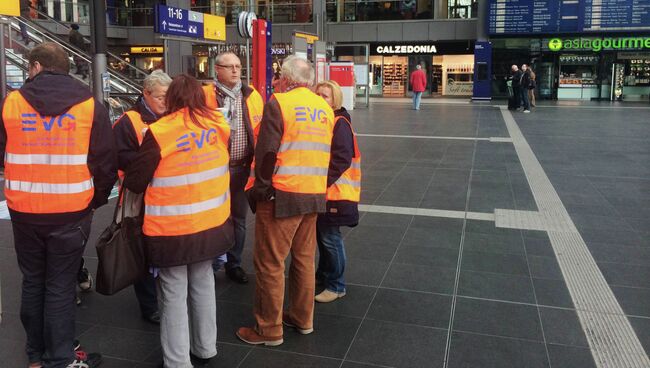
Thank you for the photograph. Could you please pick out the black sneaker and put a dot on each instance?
(199, 362)
(86, 360)
(237, 275)
(153, 318)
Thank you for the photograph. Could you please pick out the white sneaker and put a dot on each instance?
(328, 296)
(526, 111)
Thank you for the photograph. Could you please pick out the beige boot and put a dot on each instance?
(328, 296)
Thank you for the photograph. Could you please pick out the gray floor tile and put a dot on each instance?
(496, 286)
(417, 308)
(230, 317)
(376, 252)
(120, 343)
(634, 301)
(562, 326)
(369, 235)
(471, 350)
(269, 358)
(497, 318)
(427, 256)
(398, 345)
(618, 274)
(331, 338)
(510, 264)
(386, 220)
(538, 246)
(365, 272)
(348, 364)
(228, 355)
(642, 328)
(570, 357)
(420, 278)
(544, 268)
(552, 293)
(494, 243)
(616, 253)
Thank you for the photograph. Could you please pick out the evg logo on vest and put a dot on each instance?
(29, 122)
(190, 141)
(305, 112)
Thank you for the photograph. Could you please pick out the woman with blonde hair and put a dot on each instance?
(343, 194)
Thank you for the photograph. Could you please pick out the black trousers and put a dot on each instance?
(145, 291)
(49, 258)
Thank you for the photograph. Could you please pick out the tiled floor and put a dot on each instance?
(434, 291)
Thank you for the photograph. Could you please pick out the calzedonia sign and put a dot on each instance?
(405, 49)
(599, 44)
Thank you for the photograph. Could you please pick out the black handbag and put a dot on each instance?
(120, 250)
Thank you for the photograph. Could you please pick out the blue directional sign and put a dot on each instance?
(178, 22)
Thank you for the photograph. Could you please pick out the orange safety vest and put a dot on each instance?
(304, 154)
(46, 169)
(139, 126)
(348, 186)
(189, 192)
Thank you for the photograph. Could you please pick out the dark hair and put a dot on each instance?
(187, 92)
(51, 56)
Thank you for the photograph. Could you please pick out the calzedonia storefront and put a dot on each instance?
(449, 66)
(578, 68)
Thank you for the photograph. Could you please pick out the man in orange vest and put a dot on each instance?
(129, 131)
(292, 157)
(242, 105)
(60, 166)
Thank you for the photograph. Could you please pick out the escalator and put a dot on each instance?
(125, 85)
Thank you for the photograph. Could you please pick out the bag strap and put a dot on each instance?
(117, 205)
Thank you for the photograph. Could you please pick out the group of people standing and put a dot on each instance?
(521, 88)
(200, 155)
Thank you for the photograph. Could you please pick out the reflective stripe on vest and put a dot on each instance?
(304, 154)
(46, 168)
(189, 192)
(348, 186)
(43, 159)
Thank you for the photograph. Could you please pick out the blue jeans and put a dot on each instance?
(331, 263)
(524, 98)
(238, 212)
(417, 96)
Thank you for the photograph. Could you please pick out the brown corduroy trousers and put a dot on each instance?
(275, 238)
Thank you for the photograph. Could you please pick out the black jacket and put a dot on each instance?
(126, 139)
(53, 94)
(340, 213)
(524, 82)
(516, 78)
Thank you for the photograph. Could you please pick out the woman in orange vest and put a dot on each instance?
(182, 166)
(343, 193)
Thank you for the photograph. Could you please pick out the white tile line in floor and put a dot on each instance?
(489, 139)
(611, 337)
(410, 211)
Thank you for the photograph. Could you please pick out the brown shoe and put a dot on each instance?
(286, 320)
(250, 336)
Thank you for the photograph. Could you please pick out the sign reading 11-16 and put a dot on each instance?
(178, 22)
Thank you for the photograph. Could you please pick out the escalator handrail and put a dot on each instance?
(118, 58)
(76, 52)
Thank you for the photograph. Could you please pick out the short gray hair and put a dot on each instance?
(298, 70)
(156, 78)
(217, 59)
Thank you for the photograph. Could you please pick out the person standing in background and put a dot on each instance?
(25, 10)
(77, 40)
(343, 195)
(516, 85)
(418, 83)
(243, 107)
(524, 84)
(532, 86)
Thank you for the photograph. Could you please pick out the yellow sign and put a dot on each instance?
(214, 27)
(310, 38)
(147, 50)
(10, 7)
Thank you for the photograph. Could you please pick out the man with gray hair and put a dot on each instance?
(242, 106)
(291, 163)
(129, 131)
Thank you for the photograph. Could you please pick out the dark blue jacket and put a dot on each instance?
(340, 213)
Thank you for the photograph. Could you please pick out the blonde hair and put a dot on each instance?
(337, 95)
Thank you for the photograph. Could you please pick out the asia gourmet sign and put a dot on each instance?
(598, 44)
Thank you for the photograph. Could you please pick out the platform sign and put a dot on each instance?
(178, 22)
(10, 7)
(214, 27)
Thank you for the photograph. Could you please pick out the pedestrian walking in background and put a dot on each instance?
(243, 107)
(418, 83)
(183, 166)
(52, 190)
(343, 195)
(524, 85)
(25, 10)
(532, 86)
(77, 40)
(292, 157)
(129, 132)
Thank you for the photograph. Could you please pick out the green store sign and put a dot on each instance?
(598, 44)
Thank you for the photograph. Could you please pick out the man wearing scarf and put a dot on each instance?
(242, 106)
